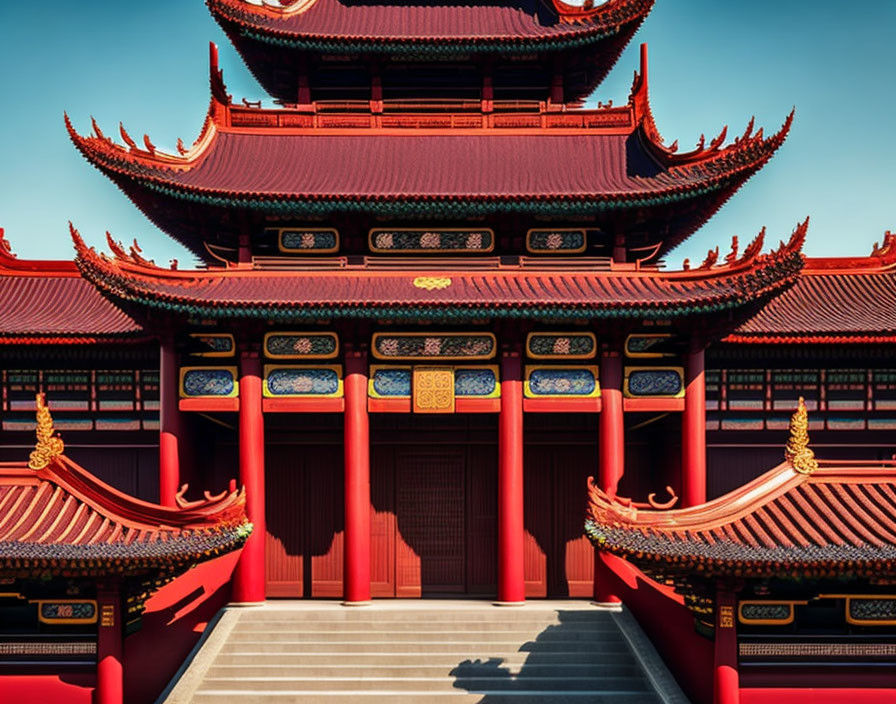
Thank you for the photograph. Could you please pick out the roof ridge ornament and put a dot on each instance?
(49, 445)
(797, 451)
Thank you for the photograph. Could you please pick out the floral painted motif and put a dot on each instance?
(392, 382)
(214, 343)
(307, 240)
(556, 241)
(872, 609)
(208, 382)
(639, 344)
(558, 345)
(303, 382)
(293, 345)
(414, 240)
(765, 612)
(474, 382)
(562, 382)
(654, 382)
(441, 346)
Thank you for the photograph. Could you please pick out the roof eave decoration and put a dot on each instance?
(749, 152)
(69, 522)
(270, 24)
(801, 519)
(739, 281)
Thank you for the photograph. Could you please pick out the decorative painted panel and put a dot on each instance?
(433, 390)
(644, 346)
(561, 345)
(389, 382)
(306, 240)
(298, 345)
(67, 390)
(561, 382)
(66, 611)
(401, 240)
(871, 610)
(212, 344)
(115, 390)
(765, 613)
(304, 381)
(435, 346)
(555, 241)
(476, 382)
(654, 382)
(208, 382)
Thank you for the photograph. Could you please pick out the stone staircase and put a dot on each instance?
(424, 651)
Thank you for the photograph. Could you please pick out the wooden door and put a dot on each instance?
(430, 555)
(284, 499)
(482, 520)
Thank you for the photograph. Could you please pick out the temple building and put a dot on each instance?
(431, 301)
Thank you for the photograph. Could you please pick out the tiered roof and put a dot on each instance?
(420, 289)
(835, 300)
(56, 516)
(805, 518)
(292, 164)
(269, 35)
(47, 302)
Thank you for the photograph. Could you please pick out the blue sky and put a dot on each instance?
(712, 63)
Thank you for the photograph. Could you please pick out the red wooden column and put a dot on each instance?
(249, 577)
(511, 527)
(356, 553)
(169, 423)
(611, 452)
(109, 668)
(726, 683)
(693, 430)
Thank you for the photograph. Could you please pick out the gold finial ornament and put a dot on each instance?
(797, 451)
(49, 445)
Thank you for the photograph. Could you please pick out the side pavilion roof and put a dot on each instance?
(48, 302)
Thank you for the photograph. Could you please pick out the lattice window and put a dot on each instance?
(846, 389)
(789, 385)
(67, 390)
(884, 389)
(746, 390)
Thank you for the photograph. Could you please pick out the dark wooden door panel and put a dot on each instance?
(482, 520)
(572, 554)
(537, 516)
(324, 507)
(382, 521)
(284, 495)
(429, 499)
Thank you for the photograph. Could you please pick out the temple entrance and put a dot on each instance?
(434, 500)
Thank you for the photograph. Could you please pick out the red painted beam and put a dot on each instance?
(511, 527)
(356, 571)
(249, 577)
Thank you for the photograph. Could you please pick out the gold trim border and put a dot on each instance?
(647, 355)
(767, 621)
(66, 621)
(232, 353)
(293, 250)
(293, 333)
(268, 368)
(440, 358)
(677, 370)
(233, 371)
(578, 250)
(593, 368)
(532, 355)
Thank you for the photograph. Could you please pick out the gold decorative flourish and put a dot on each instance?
(432, 283)
(49, 445)
(797, 451)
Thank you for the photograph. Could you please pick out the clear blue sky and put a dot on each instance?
(713, 62)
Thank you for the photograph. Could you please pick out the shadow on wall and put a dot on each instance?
(585, 653)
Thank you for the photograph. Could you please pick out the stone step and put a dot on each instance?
(560, 635)
(479, 615)
(207, 696)
(429, 684)
(428, 627)
(378, 659)
(425, 668)
(460, 648)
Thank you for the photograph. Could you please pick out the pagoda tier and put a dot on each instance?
(836, 300)
(70, 310)
(420, 289)
(56, 516)
(517, 49)
(606, 168)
